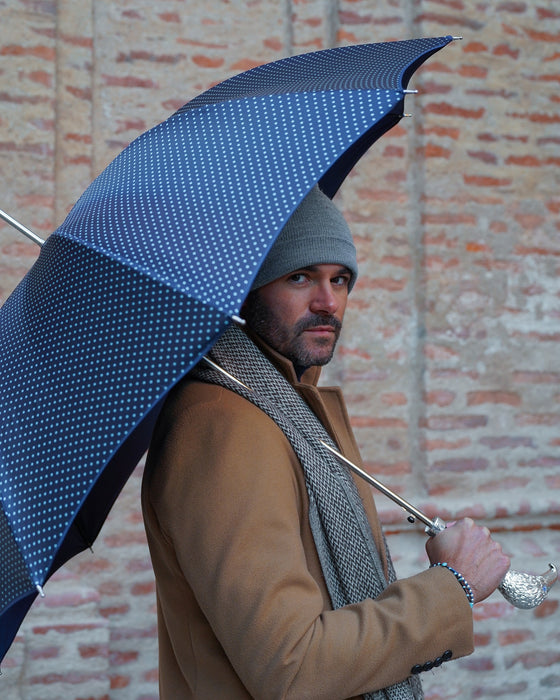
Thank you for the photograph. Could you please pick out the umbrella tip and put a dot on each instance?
(456, 38)
(40, 590)
(240, 321)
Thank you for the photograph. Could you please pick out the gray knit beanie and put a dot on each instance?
(315, 234)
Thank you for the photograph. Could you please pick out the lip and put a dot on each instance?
(320, 329)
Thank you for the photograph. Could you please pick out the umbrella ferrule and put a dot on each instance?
(437, 525)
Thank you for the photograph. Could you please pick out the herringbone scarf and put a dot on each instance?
(349, 558)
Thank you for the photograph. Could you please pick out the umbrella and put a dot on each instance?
(146, 272)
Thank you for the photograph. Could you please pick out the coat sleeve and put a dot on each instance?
(229, 497)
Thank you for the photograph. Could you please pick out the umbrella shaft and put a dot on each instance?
(21, 228)
(432, 526)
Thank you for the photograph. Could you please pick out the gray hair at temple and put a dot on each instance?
(315, 234)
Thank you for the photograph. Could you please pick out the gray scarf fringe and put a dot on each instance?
(347, 552)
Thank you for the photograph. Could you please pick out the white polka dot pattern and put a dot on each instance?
(143, 275)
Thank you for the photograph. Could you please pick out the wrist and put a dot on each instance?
(460, 578)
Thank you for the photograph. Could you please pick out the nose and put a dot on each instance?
(323, 299)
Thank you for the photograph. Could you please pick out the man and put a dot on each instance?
(273, 579)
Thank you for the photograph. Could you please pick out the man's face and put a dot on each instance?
(300, 315)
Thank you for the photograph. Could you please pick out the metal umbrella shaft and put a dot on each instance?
(433, 526)
(520, 589)
(21, 228)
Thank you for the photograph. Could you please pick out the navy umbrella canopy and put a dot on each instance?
(147, 271)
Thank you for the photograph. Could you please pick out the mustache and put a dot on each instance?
(315, 320)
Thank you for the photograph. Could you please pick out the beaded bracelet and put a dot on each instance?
(462, 580)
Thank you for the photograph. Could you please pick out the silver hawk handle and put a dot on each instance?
(521, 590)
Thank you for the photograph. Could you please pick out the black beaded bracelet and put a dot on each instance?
(462, 580)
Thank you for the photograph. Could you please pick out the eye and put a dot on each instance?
(341, 280)
(298, 277)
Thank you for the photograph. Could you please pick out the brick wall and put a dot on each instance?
(449, 355)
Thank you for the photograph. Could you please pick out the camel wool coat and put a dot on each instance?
(243, 610)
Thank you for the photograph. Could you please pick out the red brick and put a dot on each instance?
(536, 377)
(125, 539)
(551, 419)
(70, 599)
(118, 658)
(537, 659)
(505, 50)
(394, 399)
(45, 53)
(170, 17)
(454, 422)
(504, 690)
(119, 681)
(514, 636)
(65, 628)
(478, 72)
(509, 398)
(377, 422)
(504, 484)
(507, 442)
(488, 611)
(80, 93)
(544, 461)
(460, 465)
(440, 397)
(93, 650)
(70, 677)
(486, 181)
(484, 156)
(128, 81)
(475, 47)
(443, 131)
(543, 36)
(145, 588)
(477, 663)
(403, 261)
(111, 611)
(536, 117)
(76, 40)
(447, 109)
(482, 640)
(546, 608)
(121, 632)
(430, 445)
(393, 468)
(438, 352)
(433, 150)
(389, 284)
(50, 652)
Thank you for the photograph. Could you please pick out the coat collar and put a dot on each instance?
(285, 366)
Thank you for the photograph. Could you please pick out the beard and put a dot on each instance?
(289, 340)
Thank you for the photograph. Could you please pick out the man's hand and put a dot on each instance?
(471, 551)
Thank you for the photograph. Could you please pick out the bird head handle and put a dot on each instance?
(520, 589)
